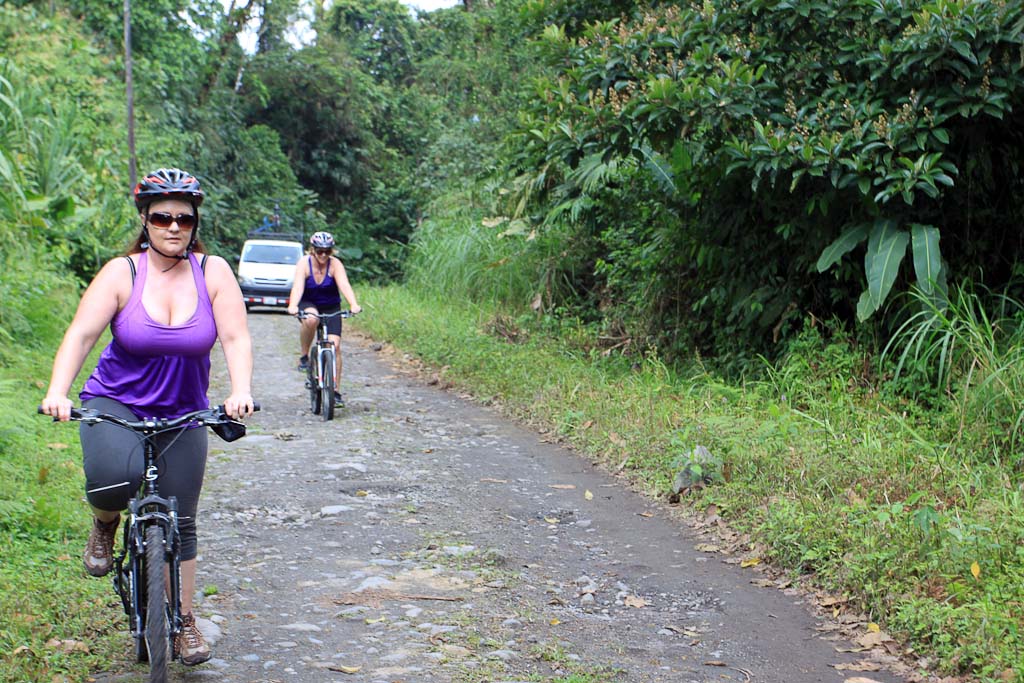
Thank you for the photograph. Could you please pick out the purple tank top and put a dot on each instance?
(324, 295)
(157, 370)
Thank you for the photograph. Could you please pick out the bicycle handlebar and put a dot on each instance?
(211, 417)
(324, 316)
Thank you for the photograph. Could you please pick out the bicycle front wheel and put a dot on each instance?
(328, 393)
(157, 628)
(313, 385)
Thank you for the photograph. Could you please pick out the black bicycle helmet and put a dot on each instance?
(322, 240)
(167, 183)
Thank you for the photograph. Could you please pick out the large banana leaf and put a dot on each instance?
(927, 259)
(887, 245)
(847, 241)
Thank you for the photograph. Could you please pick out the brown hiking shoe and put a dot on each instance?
(190, 644)
(99, 549)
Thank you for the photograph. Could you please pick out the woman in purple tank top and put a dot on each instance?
(320, 283)
(165, 309)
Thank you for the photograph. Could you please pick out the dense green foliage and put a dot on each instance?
(832, 187)
(724, 169)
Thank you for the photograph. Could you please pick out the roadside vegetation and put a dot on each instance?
(785, 233)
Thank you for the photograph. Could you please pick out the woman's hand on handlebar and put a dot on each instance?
(56, 406)
(293, 309)
(238, 406)
(356, 309)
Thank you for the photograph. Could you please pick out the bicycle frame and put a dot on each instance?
(145, 509)
(151, 594)
(323, 360)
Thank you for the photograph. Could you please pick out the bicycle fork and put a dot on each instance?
(129, 575)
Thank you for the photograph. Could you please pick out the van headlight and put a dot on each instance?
(245, 281)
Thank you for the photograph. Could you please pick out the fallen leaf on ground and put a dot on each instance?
(588, 495)
(707, 547)
(763, 583)
(715, 662)
(859, 666)
(551, 520)
(873, 638)
(494, 481)
(635, 601)
(345, 669)
(752, 562)
(860, 679)
(57, 446)
(561, 486)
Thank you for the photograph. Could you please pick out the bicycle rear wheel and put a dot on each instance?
(328, 393)
(314, 387)
(157, 628)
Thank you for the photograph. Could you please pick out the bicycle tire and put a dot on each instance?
(314, 386)
(157, 629)
(328, 393)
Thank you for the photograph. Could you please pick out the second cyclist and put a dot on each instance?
(319, 285)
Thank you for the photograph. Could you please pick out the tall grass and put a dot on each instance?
(474, 250)
(969, 348)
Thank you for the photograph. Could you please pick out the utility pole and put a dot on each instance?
(129, 91)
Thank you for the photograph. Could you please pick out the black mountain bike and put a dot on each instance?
(147, 571)
(322, 360)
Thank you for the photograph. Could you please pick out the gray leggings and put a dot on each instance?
(112, 458)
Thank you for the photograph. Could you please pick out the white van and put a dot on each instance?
(266, 269)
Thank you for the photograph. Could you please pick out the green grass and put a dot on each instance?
(870, 494)
(46, 596)
(57, 624)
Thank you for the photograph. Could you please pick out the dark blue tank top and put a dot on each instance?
(324, 295)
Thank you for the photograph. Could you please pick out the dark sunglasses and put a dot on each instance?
(162, 219)
(324, 252)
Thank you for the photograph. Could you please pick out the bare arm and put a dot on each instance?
(105, 296)
(298, 285)
(344, 288)
(233, 331)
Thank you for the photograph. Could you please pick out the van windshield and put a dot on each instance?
(272, 253)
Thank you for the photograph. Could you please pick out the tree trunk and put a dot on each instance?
(235, 20)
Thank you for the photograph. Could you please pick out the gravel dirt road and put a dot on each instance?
(419, 537)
